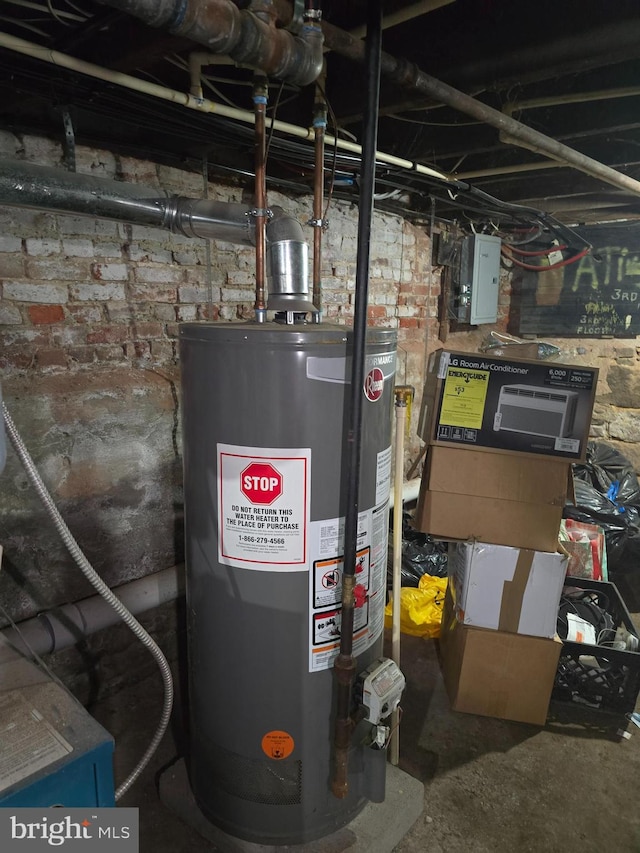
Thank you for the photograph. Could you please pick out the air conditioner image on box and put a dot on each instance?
(536, 411)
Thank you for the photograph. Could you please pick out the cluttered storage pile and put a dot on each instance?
(502, 436)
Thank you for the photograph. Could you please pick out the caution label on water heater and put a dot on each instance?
(263, 507)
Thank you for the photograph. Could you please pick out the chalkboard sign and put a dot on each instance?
(597, 296)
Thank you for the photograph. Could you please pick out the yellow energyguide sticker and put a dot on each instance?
(464, 396)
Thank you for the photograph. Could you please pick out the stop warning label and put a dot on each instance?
(263, 507)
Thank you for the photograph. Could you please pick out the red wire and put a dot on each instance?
(534, 254)
(536, 268)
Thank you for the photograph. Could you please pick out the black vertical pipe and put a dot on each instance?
(345, 663)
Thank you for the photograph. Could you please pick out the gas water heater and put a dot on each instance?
(265, 414)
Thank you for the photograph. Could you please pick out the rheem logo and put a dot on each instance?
(374, 384)
(261, 483)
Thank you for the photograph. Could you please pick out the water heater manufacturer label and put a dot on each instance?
(263, 507)
(326, 548)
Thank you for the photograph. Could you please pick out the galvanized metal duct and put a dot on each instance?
(25, 184)
(248, 36)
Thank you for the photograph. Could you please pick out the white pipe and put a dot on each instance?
(65, 626)
(410, 492)
(200, 104)
(401, 414)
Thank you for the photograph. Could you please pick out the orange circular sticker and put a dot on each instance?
(277, 745)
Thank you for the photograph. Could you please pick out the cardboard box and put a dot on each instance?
(492, 497)
(506, 589)
(495, 673)
(504, 405)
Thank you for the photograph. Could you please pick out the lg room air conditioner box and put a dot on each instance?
(536, 411)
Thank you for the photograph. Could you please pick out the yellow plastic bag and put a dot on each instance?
(421, 608)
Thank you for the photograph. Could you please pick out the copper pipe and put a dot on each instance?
(260, 94)
(319, 126)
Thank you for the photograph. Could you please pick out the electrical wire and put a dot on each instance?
(538, 253)
(537, 268)
(94, 578)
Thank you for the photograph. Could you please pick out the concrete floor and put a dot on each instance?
(490, 786)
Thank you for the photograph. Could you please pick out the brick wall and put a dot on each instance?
(89, 314)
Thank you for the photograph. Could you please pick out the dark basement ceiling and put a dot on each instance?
(568, 69)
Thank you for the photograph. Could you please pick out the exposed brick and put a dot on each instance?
(97, 292)
(138, 350)
(187, 258)
(92, 161)
(9, 315)
(45, 247)
(41, 315)
(172, 330)
(376, 312)
(85, 313)
(161, 274)
(208, 312)
(78, 247)
(163, 311)
(109, 335)
(68, 269)
(187, 312)
(9, 144)
(48, 294)
(235, 294)
(26, 336)
(240, 278)
(18, 358)
(408, 323)
(69, 336)
(153, 292)
(51, 358)
(129, 312)
(86, 225)
(148, 330)
(109, 272)
(163, 350)
(11, 266)
(10, 244)
(196, 293)
(155, 254)
(83, 355)
(110, 353)
(41, 150)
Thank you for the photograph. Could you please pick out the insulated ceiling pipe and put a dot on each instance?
(25, 184)
(410, 76)
(248, 36)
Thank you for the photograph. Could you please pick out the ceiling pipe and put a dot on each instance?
(145, 87)
(408, 13)
(248, 36)
(407, 74)
(24, 184)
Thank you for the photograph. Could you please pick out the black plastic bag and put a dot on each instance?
(608, 494)
(421, 555)
(610, 472)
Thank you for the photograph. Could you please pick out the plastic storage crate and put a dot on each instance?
(595, 675)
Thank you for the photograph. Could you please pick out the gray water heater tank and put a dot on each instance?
(265, 415)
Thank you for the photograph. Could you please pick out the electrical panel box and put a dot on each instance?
(479, 279)
(52, 751)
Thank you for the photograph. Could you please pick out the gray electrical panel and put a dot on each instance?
(479, 282)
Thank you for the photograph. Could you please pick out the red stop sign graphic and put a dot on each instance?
(261, 483)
